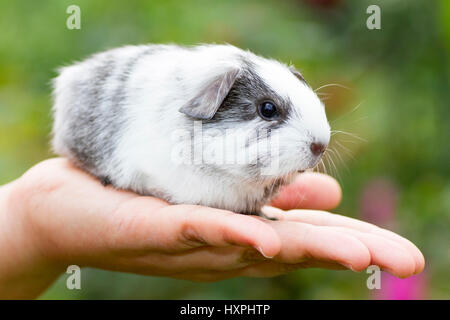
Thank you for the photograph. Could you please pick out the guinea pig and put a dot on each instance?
(119, 115)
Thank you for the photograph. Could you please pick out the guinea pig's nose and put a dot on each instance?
(317, 148)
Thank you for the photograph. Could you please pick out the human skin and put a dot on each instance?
(56, 215)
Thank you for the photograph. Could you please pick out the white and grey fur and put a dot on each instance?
(114, 114)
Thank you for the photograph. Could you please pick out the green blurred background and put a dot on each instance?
(393, 165)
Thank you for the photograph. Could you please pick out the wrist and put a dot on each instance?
(25, 271)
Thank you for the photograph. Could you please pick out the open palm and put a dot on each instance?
(73, 219)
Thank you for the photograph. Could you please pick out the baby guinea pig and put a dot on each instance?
(163, 120)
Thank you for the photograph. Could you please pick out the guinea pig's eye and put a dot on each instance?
(267, 110)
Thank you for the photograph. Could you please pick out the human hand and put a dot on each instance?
(63, 216)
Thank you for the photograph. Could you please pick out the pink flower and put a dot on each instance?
(393, 288)
(378, 206)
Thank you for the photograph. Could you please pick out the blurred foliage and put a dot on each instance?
(396, 110)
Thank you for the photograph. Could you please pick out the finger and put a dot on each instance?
(223, 228)
(181, 227)
(206, 259)
(302, 242)
(211, 260)
(322, 218)
(310, 190)
(385, 253)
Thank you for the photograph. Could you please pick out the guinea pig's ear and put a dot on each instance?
(210, 96)
(297, 73)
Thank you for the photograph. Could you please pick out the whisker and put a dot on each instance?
(335, 167)
(324, 167)
(335, 151)
(349, 152)
(330, 85)
(317, 167)
(325, 164)
(348, 113)
(333, 132)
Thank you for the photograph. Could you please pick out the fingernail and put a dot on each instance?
(262, 252)
(252, 255)
(348, 266)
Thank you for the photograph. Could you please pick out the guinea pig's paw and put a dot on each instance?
(105, 180)
(271, 213)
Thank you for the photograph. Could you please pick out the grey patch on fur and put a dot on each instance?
(273, 189)
(96, 131)
(210, 98)
(270, 191)
(242, 101)
(84, 123)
